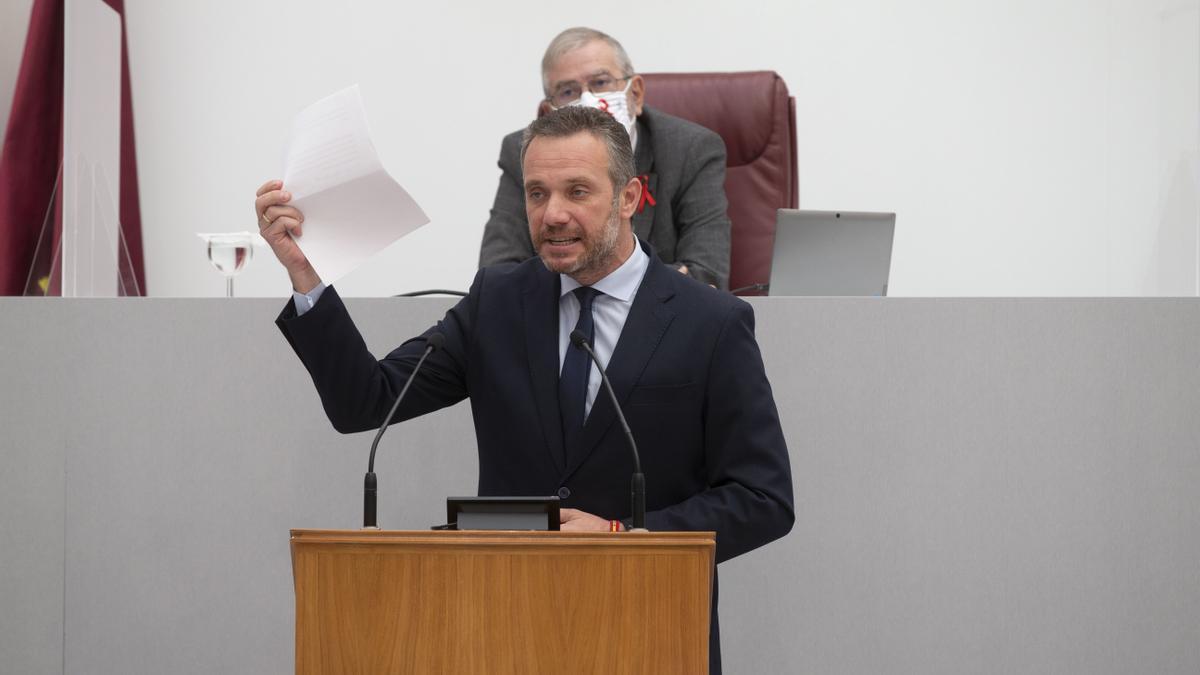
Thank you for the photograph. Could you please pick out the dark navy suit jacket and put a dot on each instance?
(686, 369)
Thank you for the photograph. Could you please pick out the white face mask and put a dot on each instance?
(614, 103)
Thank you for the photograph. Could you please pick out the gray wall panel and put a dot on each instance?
(179, 512)
(32, 451)
(982, 485)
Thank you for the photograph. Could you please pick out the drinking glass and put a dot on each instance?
(229, 253)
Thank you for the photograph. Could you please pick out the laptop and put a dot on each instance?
(831, 253)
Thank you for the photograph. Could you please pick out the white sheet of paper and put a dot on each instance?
(352, 208)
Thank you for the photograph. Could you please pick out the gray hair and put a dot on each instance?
(574, 38)
(576, 119)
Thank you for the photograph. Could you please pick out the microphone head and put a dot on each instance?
(578, 338)
(435, 341)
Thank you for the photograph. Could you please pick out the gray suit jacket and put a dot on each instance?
(688, 224)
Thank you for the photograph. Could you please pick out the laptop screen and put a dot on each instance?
(832, 253)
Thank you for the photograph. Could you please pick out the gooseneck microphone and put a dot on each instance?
(639, 480)
(433, 342)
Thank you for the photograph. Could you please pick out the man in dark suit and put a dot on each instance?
(683, 210)
(681, 355)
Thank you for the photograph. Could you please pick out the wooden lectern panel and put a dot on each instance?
(462, 603)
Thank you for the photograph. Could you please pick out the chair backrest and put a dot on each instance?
(755, 116)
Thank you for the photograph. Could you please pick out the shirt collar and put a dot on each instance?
(622, 283)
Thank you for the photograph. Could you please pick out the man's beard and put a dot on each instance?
(605, 247)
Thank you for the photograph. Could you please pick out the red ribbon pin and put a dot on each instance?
(646, 196)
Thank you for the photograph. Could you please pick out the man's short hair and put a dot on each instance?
(575, 119)
(574, 38)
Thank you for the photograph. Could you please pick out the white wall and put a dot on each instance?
(1030, 147)
(14, 24)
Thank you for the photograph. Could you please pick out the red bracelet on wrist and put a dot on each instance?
(614, 526)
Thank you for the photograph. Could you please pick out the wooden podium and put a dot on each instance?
(460, 603)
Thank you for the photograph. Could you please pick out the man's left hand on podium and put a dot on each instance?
(574, 520)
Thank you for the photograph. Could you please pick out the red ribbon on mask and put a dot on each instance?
(644, 179)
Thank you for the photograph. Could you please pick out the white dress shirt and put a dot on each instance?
(609, 310)
(305, 301)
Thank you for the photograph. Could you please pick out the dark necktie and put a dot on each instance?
(573, 382)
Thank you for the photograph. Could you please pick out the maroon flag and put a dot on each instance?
(32, 156)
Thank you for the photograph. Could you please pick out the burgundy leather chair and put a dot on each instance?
(755, 116)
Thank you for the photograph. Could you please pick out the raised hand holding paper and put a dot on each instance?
(352, 208)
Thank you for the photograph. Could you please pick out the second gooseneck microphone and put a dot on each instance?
(433, 342)
(638, 486)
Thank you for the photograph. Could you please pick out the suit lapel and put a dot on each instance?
(643, 220)
(644, 327)
(643, 157)
(540, 307)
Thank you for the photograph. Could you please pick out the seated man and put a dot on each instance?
(682, 212)
(682, 358)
